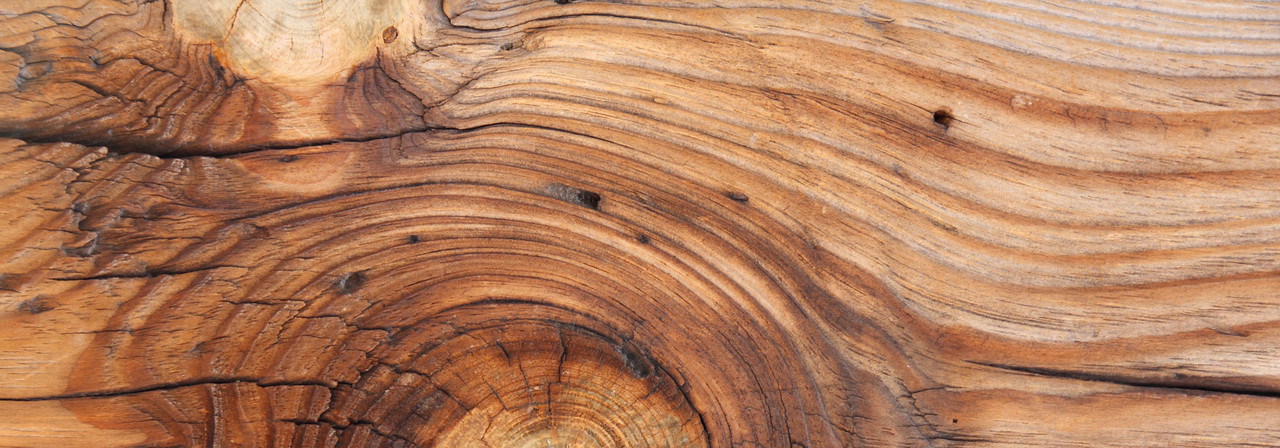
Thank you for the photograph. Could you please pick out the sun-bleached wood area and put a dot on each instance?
(649, 223)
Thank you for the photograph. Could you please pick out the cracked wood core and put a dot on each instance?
(295, 42)
(680, 224)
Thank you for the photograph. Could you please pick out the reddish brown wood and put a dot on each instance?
(793, 224)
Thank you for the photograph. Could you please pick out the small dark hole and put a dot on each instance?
(642, 239)
(635, 362)
(573, 195)
(563, 2)
(737, 196)
(943, 117)
(37, 305)
(955, 420)
(351, 282)
(413, 239)
(589, 199)
(288, 158)
(390, 34)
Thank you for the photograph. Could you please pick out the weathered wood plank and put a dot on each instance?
(651, 223)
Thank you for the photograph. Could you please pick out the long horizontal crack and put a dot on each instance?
(185, 153)
(1182, 383)
(143, 274)
(172, 385)
(179, 153)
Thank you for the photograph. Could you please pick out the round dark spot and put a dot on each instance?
(642, 239)
(943, 117)
(413, 239)
(955, 420)
(390, 34)
(288, 158)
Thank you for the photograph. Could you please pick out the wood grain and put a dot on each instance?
(531, 223)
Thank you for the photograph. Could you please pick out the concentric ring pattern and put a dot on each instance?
(643, 224)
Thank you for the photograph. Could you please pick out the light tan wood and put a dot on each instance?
(577, 223)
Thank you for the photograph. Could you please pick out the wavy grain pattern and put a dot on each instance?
(640, 223)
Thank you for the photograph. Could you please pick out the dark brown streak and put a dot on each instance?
(1179, 383)
(144, 274)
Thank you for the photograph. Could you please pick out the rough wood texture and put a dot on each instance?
(695, 223)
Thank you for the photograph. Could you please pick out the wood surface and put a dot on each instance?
(639, 223)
